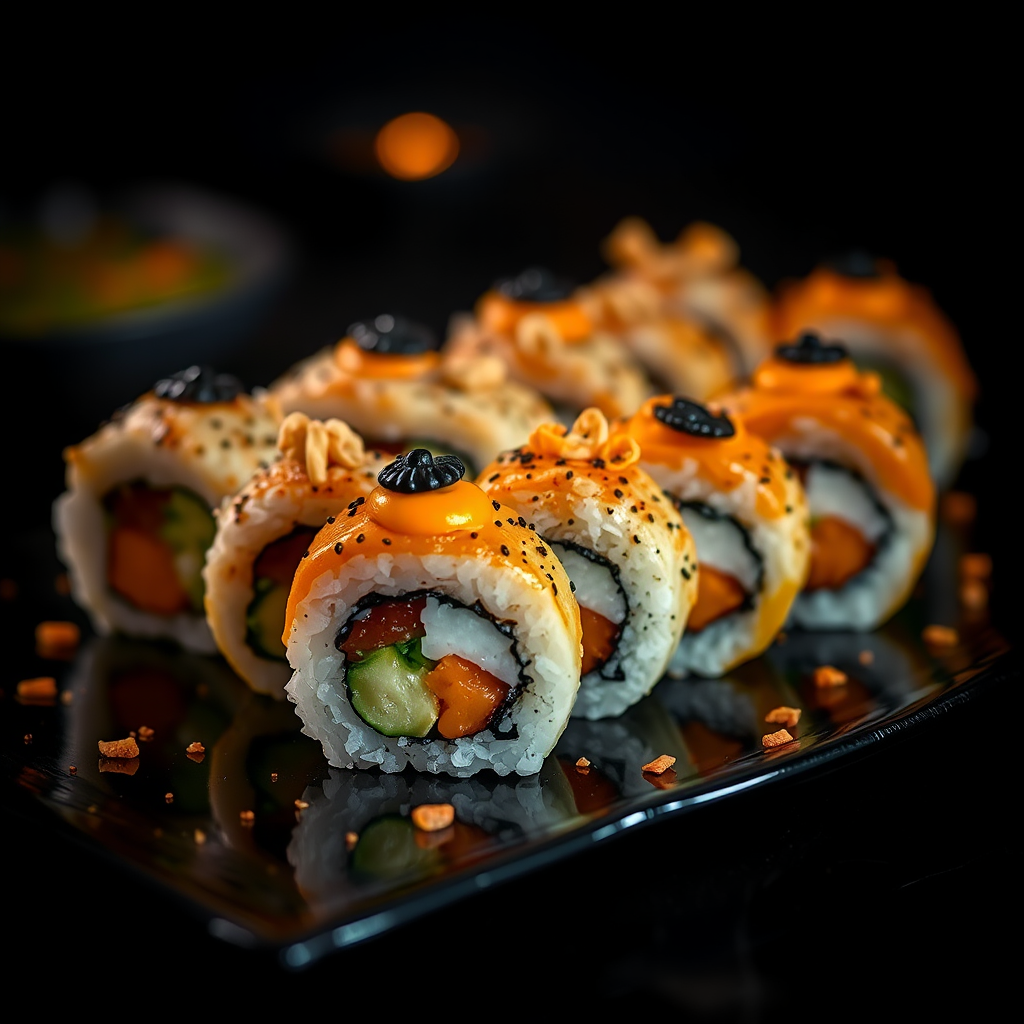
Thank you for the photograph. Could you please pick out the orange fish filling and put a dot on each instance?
(140, 567)
(600, 635)
(468, 696)
(718, 594)
(838, 552)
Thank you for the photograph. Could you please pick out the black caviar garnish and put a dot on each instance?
(418, 471)
(199, 384)
(393, 335)
(858, 263)
(690, 418)
(535, 284)
(810, 350)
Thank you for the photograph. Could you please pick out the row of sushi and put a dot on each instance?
(449, 603)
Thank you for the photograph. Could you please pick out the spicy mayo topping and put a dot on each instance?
(725, 453)
(535, 290)
(797, 390)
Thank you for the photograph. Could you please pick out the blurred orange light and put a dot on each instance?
(416, 146)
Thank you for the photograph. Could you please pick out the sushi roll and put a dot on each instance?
(536, 325)
(680, 354)
(263, 532)
(747, 512)
(433, 629)
(137, 516)
(631, 559)
(387, 380)
(865, 472)
(700, 275)
(896, 329)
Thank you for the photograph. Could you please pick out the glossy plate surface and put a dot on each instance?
(276, 850)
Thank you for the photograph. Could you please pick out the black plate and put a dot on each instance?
(272, 850)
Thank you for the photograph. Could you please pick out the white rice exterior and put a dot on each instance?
(547, 650)
(783, 544)
(872, 596)
(270, 507)
(165, 444)
(657, 593)
(477, 423)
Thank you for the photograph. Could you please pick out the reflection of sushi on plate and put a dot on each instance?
(432, 628)
(137, 517)
(700, 275)
(359, 829)
(263, 532)
(747, 513)
(537, 326)
(896, 329)
(604, 760)
(865, 472)
(389, 382)
(631, 559)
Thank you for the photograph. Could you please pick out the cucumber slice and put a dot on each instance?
(388, 692)
(387, 849)
(189, 529)
(264, 620)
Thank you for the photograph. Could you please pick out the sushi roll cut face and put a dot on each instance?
(624, 545)
(700, 275)
(747, 512)
(137, 516)
(322, 470)
(432, 628)
(895, 329)
(541, 331)
(387, 379)
(865, 471)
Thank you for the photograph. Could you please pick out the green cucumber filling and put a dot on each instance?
(389, 692)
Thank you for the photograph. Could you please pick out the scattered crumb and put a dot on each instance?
(273, 776)
(301, 805)
(976, 566)
(433, 817)
(195, 747)
(776, 739)
(582, 763)
(145, 733)
(940, 636)
(351, 838)
(42, 688)
(27, 738)
(246, 817)
(958, 507)
(169, 798)
(866, 657)
(72, 769)
(66, 696)
(8, 589)
(783, 715)
(57, 639)
(200, 836)
(659, 764)
(119, 748)
(973, 594)
(828, 675)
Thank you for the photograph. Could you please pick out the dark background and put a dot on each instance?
(801, 139)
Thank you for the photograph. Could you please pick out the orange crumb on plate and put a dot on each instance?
(940, 636)
(776, 739)
(829, 675)
(195, 747)
(659, 764)
(145, 733)
(783, 715)
(866, 657)
(119, 748)
(433, 817)
(973, 594)
(57, 639)
(351, 838)
(43, 688)
(976, 565)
